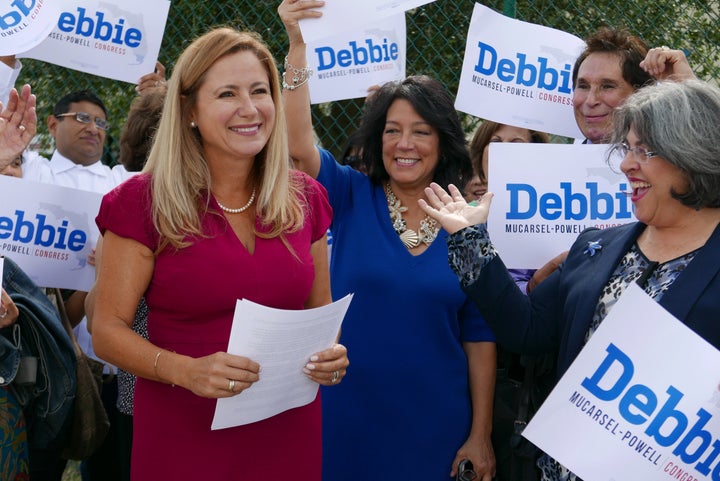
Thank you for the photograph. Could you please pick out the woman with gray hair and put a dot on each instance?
(667, 135)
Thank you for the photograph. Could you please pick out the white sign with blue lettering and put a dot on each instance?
(117, 39)
(49, 231)
(340, 16)
(346, 65)
(547, 194)
(629, 408)
(25, 23)
(518, 73)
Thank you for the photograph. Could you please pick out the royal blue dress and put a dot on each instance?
(403, 409)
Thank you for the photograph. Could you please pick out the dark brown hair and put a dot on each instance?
(629, 48)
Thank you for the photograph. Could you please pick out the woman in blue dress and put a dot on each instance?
(417, 398)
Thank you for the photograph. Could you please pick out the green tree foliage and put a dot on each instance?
(436, 45)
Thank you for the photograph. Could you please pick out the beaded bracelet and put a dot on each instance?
(300, 76)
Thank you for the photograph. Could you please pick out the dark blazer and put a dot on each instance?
(557, 314)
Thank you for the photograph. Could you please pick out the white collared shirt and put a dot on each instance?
(96, 177)
(36, 167)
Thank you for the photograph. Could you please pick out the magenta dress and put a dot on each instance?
(191, 300)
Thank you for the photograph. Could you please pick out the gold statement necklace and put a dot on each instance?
(428, 231)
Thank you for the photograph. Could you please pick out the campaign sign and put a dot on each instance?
(117, 39)
(640, 402)
(25, 23)
(340, 16)
(49, 231)
(518, 73)
(346, 65)
(547, 194)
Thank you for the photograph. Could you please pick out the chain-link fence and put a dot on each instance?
(435, 42)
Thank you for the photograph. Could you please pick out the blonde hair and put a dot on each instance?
(179, 171)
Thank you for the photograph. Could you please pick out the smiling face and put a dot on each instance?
(600, 87)
(234, 111)
(652, 183)
(81, 143)
(410, 147)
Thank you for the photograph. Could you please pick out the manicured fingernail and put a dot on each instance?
(310, 366)
(306, 370)
(314, 358)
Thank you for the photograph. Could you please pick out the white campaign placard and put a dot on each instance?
(340, 16)
(117, 39)
(49, 231)
(25, 23)
(640, 402)
(347, 64)
(547, 194)
(518, 73)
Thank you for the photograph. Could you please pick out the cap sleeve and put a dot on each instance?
(319, 213)
(127, 211)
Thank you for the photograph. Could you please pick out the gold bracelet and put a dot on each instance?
(157, 356)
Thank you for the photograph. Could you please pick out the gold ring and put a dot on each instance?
(335, 376)
(231, 385)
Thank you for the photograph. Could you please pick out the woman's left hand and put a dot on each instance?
(8, 310)
(328, 367)
(451, 210)
(481, 455)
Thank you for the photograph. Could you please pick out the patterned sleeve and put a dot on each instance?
(469, 250)
(127, 211)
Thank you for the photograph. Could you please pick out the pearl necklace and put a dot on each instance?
(429, 228)
(241, 209)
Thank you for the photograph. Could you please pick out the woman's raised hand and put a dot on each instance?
(451, 210)
(292, 11)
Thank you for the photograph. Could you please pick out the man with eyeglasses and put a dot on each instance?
(78, 125)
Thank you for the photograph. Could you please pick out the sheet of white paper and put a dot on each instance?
(345, 15)
(518, 73)
(49, 231)
(640, 402)
(2, 266)
(282, 342)
(117, 39)
(546, 194)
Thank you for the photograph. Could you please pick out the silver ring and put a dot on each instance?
(4, 314)
(231, 385)
(335, 377)
(664, 48)
(21, 128)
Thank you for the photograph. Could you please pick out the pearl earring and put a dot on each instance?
(193, 124)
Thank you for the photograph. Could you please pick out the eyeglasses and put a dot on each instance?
(641, 154)
(85, 118)
(619, 151)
